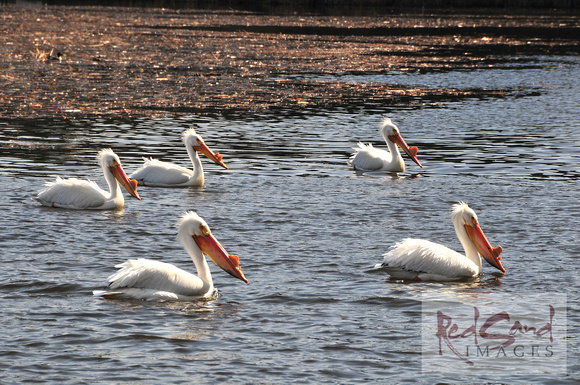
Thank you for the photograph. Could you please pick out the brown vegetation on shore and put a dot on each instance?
(131, 62)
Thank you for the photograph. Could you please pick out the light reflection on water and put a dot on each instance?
(307, 229)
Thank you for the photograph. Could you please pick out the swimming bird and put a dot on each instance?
(76, 193)
(423, 260)
(369, 158)
(154, 280)
(164, 174)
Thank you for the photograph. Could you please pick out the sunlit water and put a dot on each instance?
(307, 229)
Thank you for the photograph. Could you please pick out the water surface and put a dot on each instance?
(307, 229)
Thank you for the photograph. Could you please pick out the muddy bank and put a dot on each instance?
(130, 62)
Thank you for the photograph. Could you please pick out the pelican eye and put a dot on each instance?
(204, 230)
(115, 163)
(199, 141)
(474, 221)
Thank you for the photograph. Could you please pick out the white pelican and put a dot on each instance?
(76, 193)
(422, 260)
(368, 158)
(153, 280)
(164, 174)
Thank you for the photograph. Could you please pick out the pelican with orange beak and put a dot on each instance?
(422, 260)
(75, 193)
(154, 280)
(369, 158)
(156, 173)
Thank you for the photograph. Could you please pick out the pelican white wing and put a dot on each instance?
(369, 158)
(157, 173)
(425, 260)
(73, 193)
(149, 279)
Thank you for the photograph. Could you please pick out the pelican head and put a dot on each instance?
(464, 217)
(192, 225)
(390, 132)
(110, 161)
(192, 139)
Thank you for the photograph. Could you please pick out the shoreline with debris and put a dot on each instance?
(68, 62)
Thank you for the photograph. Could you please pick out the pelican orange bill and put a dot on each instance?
(411, 151)
(490, 254)
(128, 184)
(229, 263)
(216, 157)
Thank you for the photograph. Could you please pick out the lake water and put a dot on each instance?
(307, 229)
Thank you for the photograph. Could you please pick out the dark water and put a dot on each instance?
(307, 229)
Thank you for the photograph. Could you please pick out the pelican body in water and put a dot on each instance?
(76, 193)
(154, 280)
(156, 173)
(422, 260)
(369, 158)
